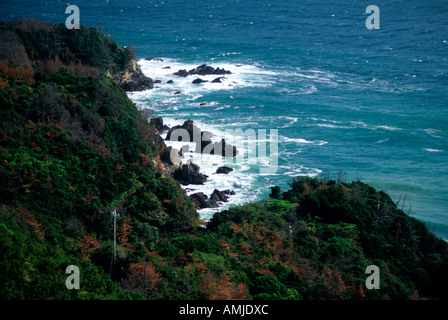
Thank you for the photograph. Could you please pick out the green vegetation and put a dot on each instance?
(74, 147)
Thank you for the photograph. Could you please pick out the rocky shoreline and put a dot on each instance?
(188, 173)
(133, 79)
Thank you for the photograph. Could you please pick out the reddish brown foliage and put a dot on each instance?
(142, 277)
(336, 283)
(145, 160)
(159, 164)
(51, 66)
(124, 230)
(89, 244)
(118, 167)
(27, 219)
(236, 227)
(3, 84)
(245, 249)
(22, 72)
(30, 25)
(221, 287)
(265, 271)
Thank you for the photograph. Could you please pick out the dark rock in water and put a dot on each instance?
(177, 92)
(189, 174)
(182, 73)
(200, 200)
(167, 67)
(158, 124)
(198, 80)
(207, 70)
(190, 132)
(203, 104)
(220, 196)
(218, 80)
(170, 81)
(190, 129)
(219, 148)
(202, 70)
(157, 81)
(184, 149)
(154, 59)
(224, 170)
(132, 78)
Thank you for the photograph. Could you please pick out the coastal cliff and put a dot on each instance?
(74, 148)
(132, 78)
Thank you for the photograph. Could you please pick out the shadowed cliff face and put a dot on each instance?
(132, 78)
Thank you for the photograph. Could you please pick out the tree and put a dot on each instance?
(89, 244)
(221, 287)
(27, 218)
(142, 277)
(124, 231)
(276, 193)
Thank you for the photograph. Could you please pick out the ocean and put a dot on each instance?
(345, 101)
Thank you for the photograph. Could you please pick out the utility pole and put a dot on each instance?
(114, 214)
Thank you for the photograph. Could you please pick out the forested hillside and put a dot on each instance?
(74, 148)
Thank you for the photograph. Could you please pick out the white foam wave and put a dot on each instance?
(328, 125)
(388, 128)
(303, 141)
(432, 150)
(303, 171)
(294, 92)
(355, 125)
(289, 121)
(435, 133)
(188, 97)
(325, 120)
(241, 179)
(243, 75)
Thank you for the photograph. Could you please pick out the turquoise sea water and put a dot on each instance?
(371, 103)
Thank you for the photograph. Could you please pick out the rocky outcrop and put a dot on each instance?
(220, 196)
(218, 80)
(224, 170)
(188, 131)
(194, 133)
(132, 78)
(198, 80)
(221, 148)
(182, 73)
(202, 70)
(158, 124)
(154, 59)
(201, 201)
(189, 174)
